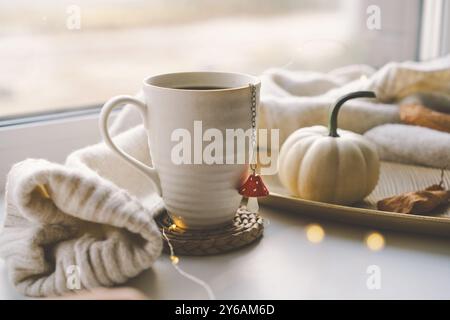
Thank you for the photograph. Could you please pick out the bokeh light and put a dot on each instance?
(375, 241)
(315, 233)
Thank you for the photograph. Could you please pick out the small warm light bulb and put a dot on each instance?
(314, 233)
(174, 259)
(173, 226)
(375, 241)
(43, 191)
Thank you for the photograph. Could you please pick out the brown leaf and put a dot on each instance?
(418, 202)
(419, 115)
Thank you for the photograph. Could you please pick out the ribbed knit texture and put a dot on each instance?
(58, 216)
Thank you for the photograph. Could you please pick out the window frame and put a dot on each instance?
(435, 20)
(48, 136)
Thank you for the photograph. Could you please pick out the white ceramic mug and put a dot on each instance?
(195, 195)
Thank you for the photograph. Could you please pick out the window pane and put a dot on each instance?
(64, 54)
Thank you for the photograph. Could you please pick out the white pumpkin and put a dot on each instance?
(328, 164)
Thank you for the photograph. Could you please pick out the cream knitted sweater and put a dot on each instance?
(70, 221)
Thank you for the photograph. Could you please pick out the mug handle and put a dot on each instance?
(103, 122)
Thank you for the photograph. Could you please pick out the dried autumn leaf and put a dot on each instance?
(419, 202)
(419, 115)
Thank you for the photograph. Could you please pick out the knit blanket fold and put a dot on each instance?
(68, 228)
(294, 99)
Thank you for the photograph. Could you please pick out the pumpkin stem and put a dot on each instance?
(332, 125)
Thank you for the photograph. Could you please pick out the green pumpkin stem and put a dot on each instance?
(332, 124)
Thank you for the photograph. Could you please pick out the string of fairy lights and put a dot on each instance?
(314, 233)
(174, 259)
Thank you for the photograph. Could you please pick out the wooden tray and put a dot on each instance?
(394, 179)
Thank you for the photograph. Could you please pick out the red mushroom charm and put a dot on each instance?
(252, 189)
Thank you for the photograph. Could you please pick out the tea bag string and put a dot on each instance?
(253, 137)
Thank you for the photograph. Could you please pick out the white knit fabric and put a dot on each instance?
(412, 144)
(295, 99)
(96, 211)
(82, 219)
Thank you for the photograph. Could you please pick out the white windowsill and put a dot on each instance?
(284, 265)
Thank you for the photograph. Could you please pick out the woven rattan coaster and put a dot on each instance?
(246, 228)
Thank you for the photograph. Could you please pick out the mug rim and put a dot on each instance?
(253, 80)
